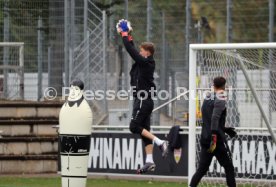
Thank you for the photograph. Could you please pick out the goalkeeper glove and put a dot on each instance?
(118, 28)
(230, 131)
(213, 144)
(123, 26)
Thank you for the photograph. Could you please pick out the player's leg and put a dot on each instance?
(149, 164)
(147, 142)
(162, 144)
(137, 118)
(140, 123)
(142, 109)
(147, 108)
(224, 158)
(204, 163)
(152, 137)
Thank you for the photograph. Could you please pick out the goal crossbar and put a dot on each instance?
(233, 46)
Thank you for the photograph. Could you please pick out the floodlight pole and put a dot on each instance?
(6, 38)
(149, 19)
(229, 21)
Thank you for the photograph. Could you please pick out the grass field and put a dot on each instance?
(55, 182)
(17, 181)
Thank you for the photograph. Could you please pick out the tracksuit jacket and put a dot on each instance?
(142, 70)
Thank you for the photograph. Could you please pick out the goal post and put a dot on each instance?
(250, 71)
(192, 113)
(12, 70)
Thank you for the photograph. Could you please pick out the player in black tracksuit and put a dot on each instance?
(142, 83)
(213, 139)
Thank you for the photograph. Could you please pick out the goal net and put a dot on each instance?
(11, 70)
(250, 71)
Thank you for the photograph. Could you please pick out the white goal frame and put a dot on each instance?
(20, 68)
(192, 91)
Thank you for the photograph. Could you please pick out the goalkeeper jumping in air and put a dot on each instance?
(142, 84)
(213, 139)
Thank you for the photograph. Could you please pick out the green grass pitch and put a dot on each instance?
(12, 181)
(56, 182)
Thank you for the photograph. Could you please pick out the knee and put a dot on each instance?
(134, 128)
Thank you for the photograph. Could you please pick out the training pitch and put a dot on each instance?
(56, 182)
(17, 181)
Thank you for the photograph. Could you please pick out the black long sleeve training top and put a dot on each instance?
(142, 71)
(213, 116)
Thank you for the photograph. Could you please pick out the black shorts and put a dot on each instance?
(141, 115)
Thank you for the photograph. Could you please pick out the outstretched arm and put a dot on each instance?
(132, 51)
(124, 28)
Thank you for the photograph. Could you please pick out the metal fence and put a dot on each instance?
(65, 39)
(89, 57)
